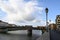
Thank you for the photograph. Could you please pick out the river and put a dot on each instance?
(20, 35)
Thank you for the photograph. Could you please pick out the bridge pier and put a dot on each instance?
(30, 31)
(4, 30)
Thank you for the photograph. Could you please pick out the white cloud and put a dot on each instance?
(50, 22)
(20, 11)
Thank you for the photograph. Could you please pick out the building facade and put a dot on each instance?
(52, 26)
(58, 22)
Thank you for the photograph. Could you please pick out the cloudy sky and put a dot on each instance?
(28, 12)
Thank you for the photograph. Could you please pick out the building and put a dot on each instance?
(52, 26)
(58, 22)
(3, 24)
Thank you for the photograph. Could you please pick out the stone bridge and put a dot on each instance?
(29, 28)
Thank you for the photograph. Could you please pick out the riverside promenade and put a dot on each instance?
(52, 35)
(55, 35)
(45, 36)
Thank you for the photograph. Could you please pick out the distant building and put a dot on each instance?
(52, 26)
(12, 25)
(43, 27)
(58, 22)
(28, 26)
(3, 24)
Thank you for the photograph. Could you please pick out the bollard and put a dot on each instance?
(43, 31)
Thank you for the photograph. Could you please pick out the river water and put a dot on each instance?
(20, 35)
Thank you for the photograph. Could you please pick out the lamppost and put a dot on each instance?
(46, 10)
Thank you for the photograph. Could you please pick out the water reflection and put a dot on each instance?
(17, 36)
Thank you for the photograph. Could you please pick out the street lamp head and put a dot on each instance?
(46, 10)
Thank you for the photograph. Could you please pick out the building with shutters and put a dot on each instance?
(58, 21)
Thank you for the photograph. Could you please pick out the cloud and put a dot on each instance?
(21, 11)
(50, 22)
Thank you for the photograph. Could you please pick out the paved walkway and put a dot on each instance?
(55, 35)
(45, 36)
